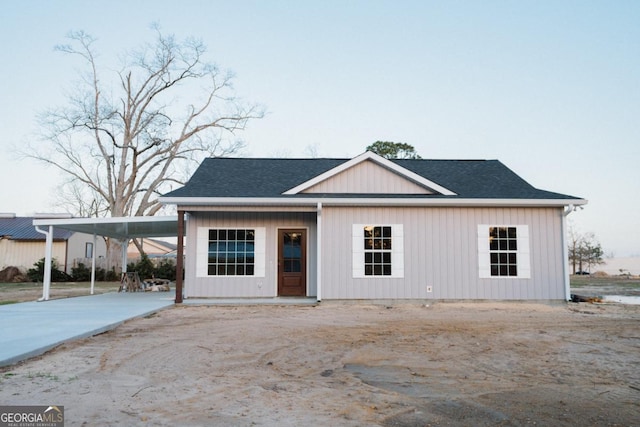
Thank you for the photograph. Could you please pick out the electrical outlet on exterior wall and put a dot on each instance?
(429, 288)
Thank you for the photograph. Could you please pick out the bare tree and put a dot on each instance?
(80, 201)
(128, 142)
(311, 151)
(585, 251)
(575, 242)
(125, 137)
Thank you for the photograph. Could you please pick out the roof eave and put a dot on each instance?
(367, 201)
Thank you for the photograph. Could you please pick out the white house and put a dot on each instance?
(371, 228)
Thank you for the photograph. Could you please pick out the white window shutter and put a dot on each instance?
(397, 251)
(484, 264)
(357, 250)
(524, 262)
(202, 252)
(260, 248)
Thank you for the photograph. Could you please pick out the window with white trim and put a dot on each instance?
(88, 250)
(230, 252)
(378, 250)
(503, 251)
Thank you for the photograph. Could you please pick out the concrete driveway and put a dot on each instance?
(31, 328)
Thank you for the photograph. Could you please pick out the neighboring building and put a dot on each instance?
(369, 228)
(21, 245)
(153, 248)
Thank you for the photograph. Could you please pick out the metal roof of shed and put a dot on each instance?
(21, 228)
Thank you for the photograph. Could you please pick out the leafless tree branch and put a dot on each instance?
(167, 106)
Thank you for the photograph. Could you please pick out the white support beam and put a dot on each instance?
(125, 243)
(93, 264)
(48, 251)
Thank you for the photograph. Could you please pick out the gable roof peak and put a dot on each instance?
(371, 156)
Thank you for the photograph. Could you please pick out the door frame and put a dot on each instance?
(277, 257)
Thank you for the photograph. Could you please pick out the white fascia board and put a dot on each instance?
(367, 201)
(117, 227)
(238, 201)
(368, 155)
(109, 220)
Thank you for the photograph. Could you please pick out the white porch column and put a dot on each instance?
(319, 252)
(125, 243)
(48, 251)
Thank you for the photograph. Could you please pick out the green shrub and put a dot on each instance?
(81, 273)
(111, 276)
(37, 274)
(144, 267)
(166, 270)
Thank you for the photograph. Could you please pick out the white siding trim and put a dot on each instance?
(397, 251)
(202, 251)
(523, 252)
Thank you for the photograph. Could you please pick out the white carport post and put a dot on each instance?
(46, 281)
(93, 264)
(125, 243)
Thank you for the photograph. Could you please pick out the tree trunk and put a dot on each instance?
(114, 256)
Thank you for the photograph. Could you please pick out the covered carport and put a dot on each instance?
(119, 228)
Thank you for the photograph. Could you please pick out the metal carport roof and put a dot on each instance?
(117, 227)
(122, 228)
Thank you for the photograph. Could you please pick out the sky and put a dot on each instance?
(551, 88)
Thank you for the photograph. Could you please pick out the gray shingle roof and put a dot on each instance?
(270, 177)
(21, 228)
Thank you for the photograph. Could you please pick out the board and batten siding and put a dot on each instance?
(247, 286)
(367, 178)
(441, 252)
(24, 254)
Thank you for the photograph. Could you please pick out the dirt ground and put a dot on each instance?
(449, 364)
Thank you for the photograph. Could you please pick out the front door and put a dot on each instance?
(292, 263)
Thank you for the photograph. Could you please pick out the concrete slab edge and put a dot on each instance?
(97, 331)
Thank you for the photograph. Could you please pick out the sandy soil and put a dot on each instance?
(460, 364)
